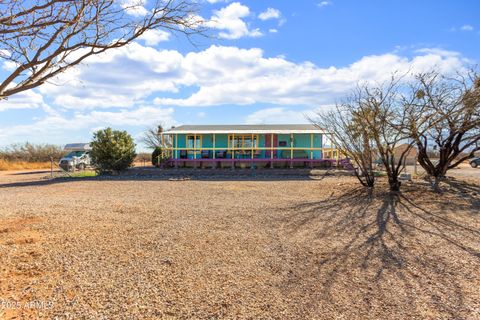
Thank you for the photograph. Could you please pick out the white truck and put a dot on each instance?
(78, 158)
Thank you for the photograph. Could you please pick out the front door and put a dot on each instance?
(268, 144)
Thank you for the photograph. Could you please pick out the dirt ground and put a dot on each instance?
(251, 246)
(464, 171)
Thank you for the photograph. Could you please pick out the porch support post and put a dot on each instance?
(252, 145)
(233, 151)
(271, 150)
(337, 155)
(332, 156)
(291, 150)
(214, 146)
(311, 150)
(162, 150)
(194, 151)
(321, 146)
(311, 146)
(176, 150)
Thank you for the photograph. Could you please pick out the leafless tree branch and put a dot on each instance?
(43, 38)
(453, 127)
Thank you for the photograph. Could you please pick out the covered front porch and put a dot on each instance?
(252, 146)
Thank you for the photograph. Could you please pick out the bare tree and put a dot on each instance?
(386, 116)
(42, 38)
(349, 134)
(453, 127)
(374, 122)
(152, 138)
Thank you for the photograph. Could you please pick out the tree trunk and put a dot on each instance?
(394, 184)
(436, 184)
(439, 175)
(437, 178)
(371, 181)
(367, 179)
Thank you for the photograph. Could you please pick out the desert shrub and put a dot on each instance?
(112, 150)
(28, 152)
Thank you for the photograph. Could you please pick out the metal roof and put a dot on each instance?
(246, 128)
(78, 147)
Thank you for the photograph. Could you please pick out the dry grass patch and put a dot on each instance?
(22, 165)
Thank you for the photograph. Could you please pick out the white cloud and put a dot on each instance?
(464, 28)
(23, 100)
(324, 4)
(219, 75)
(141, 116)
(270, 13)
(134, 7)
(467, 27)
(230, 20)
(9, 65)
(154, 37)
(273, 30)
(119, 78)
(284, 115)
(277, 115)
(58, 128)
(129, 77)
(229, 75)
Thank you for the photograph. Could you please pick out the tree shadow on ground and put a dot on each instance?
(466, 190)
(379, 255)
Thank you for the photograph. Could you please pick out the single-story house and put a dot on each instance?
(248, 145)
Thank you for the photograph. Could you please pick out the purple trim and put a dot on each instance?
(307, 162)
(253, 160)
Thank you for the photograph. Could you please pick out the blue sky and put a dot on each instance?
(267, 62)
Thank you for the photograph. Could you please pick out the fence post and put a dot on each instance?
(415, 166)
(51, 167)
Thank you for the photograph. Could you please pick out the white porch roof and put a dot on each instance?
(244, 129)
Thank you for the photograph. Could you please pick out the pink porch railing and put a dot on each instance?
(256, 162)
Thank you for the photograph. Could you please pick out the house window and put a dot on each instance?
(194, 142)
(242, 141)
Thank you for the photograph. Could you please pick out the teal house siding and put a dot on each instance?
(276, 146)
(281, 143)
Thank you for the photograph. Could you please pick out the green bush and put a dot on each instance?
(112, 150)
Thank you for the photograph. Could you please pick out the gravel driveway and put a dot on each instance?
(138, 248)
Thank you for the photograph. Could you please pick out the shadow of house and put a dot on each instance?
(154, 174)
